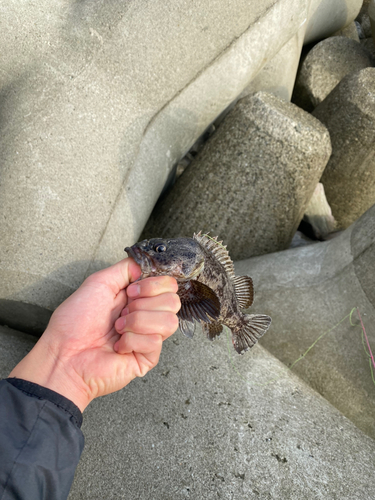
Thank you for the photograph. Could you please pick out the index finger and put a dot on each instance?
(151, 287)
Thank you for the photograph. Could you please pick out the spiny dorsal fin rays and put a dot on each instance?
(218, 250)
(244, 289)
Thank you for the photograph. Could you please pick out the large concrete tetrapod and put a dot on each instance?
(309, 290)
(198, 427)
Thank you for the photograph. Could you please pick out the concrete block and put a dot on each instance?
(97, 106)
(319, 214)
(350, 31)
(278, 75)
(307, 291)
(371, 15)
(14, 346)
(324, 67)
(349, 178)
(199, 426)
(327, 17)
(207, 423)
(369, 45)
(252, 180)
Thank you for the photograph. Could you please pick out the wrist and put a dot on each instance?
(42, 367)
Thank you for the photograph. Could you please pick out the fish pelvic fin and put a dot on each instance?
(212, 330)
(186, 327)
(249, 330)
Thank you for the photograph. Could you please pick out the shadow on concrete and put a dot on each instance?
(30, 318)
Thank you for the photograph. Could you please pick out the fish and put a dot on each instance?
(210, 292)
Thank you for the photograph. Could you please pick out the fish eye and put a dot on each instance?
(160, 248)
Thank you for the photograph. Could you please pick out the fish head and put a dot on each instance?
(182, 258)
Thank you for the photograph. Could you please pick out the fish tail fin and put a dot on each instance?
(249, 330)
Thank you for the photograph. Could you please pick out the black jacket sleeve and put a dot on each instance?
(40, 442)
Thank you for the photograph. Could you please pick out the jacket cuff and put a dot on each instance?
(40, 392)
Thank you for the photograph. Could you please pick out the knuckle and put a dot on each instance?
(176, 302)
(134, 320)
(171, 323)
(157, 341)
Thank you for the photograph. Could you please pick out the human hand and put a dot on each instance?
(104, 335)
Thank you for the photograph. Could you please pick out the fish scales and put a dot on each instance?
(210, 292)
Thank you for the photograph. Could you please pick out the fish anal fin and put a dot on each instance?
(249, 331)
(213, 329)
(244, 289)
(198, 302)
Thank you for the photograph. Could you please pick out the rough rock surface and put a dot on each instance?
(349, 178)
(308, 291)
(325, 66)
(252, 180)
(206, 425)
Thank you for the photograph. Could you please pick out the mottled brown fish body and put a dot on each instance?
(208, 288)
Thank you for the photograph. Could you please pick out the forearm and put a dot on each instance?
(40, 442)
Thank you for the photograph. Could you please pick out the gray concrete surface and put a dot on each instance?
(207, 424)
(252, 180)
(279, 74)
(309, 290)
(98, 102)
(325, 66)
(368, 44)
(371, 14)
(349, 177)
(14, 346)
(319, 214)
(349, 31)
(327, 17)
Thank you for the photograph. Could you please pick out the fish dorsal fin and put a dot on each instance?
(244, 289)
(218, 250)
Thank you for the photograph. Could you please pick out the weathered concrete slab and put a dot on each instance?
(319, 214)
(203, 425)
(327, 17)
(252, 180)
(97, 105)
(95, 113)
(349, 178)
(309, 290)
(325, 66)
(14, 346)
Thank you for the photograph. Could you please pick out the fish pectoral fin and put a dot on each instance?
(186, 327)
(249, 331)
(213, 329)
(243, 286)
(198, 302)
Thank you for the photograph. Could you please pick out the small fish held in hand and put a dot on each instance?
(207, 286)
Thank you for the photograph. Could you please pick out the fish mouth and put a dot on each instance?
(143, 260)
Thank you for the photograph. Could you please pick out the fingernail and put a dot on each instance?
(133, 291)
(120, 323)
(125, 311)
